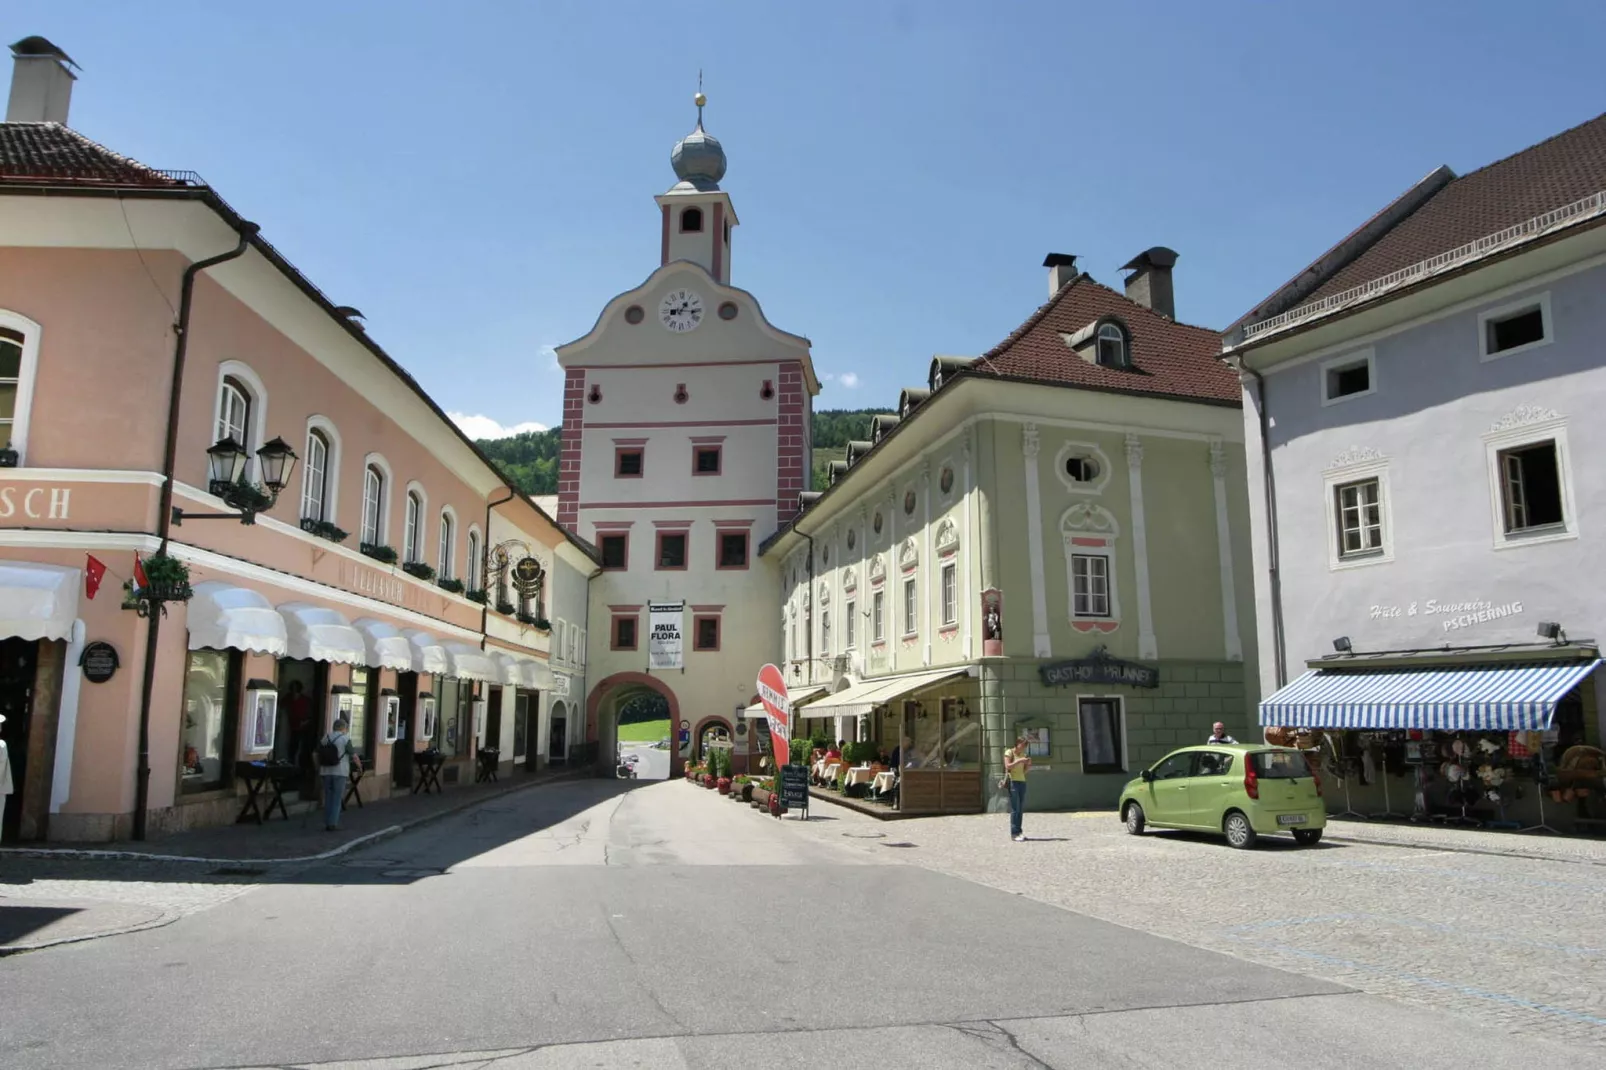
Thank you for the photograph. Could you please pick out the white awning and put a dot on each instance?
(798, 700)
(470, 663)
(37, 601)
(222, 617)
(386, 646)
(318, 633)
(537, 674)
(867, 695)
(508, 670)
(428, 654)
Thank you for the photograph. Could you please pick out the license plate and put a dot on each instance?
(1290, 819)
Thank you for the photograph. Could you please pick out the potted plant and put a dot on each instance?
(379, 552)
(419, 570)
(450, 586)
(323, 529)
(476, 595)
(724, 785)
(506, 608)
(167, 579)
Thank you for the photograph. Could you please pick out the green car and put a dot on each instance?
(1241, 790)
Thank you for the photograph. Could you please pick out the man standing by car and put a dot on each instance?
(1016, 763)
(1218, 734)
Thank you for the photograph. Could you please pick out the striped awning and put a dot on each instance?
(1502, 698)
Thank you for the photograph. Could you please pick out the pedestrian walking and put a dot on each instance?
(1016, 763)
(337, 756)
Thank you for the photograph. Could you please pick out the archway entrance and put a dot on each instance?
(632, 718)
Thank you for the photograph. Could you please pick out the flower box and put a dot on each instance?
(450, 586)
(323, 529)
(419, 570)
(379, 552)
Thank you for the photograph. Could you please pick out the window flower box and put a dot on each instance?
(380, 552)
(419, 570)
(476, 595)
(450, 586)
(507, 609)
(323, 529)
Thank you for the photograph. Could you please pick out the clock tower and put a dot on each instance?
(697, 214)
(685, 445)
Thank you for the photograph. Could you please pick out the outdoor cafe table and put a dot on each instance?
(831, 770)
(857, 775)
(883, 782)
(275, 776)
(428, 763)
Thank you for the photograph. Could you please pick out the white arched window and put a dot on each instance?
(448, 540)
(233, 412)
(1112, 346)
(471, 566)
(315, 477)
(241, 411)
(19, 350)
(412, 522)
(373, 505)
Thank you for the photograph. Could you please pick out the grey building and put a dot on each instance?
(1428, 495)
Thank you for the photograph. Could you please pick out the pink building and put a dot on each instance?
(147, 334)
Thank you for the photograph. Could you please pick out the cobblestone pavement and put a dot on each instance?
(1513, 941)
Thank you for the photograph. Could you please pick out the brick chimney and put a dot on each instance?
(41, 82)
(1150, 282)
(1061, 270)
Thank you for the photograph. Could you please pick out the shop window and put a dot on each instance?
(456, 717)
(706, 461)
(616, 551)
(671, 551)
(1103, 735)
(211, 720)
(362, 721)
(733, 549)
(624, 633)
(705, 633)
(628, 463)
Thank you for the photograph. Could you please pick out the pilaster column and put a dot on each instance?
(1229, 587)
(1148, 647)
(962, 586)
(928, 563)
(1029, 445)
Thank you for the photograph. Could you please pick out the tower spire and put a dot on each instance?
(700, 99)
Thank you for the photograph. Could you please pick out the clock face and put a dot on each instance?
(681, 310)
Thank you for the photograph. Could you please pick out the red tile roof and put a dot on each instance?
(52, 152)
(1550, 175)
(1168, 358)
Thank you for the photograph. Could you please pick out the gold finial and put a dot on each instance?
(699, 99)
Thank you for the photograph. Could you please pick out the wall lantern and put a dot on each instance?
(9, 457)
(1343, 645)
(1549, 629)
(225, 465)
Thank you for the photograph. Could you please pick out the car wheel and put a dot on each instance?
(1307, 837)
(1134, 819)
(1240, 833)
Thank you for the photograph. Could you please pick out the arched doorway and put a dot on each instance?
(558, 734)
(631, 717)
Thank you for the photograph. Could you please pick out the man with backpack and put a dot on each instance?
(337, 756)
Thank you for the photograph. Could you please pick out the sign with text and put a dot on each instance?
(1451, 616)
(795, 787)
(665, 637)
(777, 710)
(99, 661)
(1100, 668)
(35, 503)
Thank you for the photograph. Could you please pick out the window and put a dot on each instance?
(825, 632)
(705, 633)
(361, 702)
(410, 527)
(1103, 747)
(910, 626)
(733, 549)
(1360, 518)
(15, 373)
(1090, 585)
(1516, 327)
(1350, 376)
(615, 551)
(1081, 469)
(624, 633)
(211, 703)
(950, 605)
(850, 626)
(671, 550)
(456, 717)
(706, 461)
(627, 463)
(471, 565)
(1212, 763)
(691, 221)
(234, 413)
(1112, 346)
(444, 568)
(1531, 480)
(315, 477)
(878, 615)
(1174, 768)
(373, 505)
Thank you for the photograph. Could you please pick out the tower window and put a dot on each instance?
(1112, 346)
(691, 221)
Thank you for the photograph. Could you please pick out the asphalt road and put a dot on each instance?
(614, 923)
(651, 764)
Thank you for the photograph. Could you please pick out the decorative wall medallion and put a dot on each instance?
(1083, 467)
(853, 537)
(1353, 456)
(635, 314)
(767, 391)
(727, 311)
(1524, 415)
(909, 502)
(681, 396)
(876, 523)
(594, 395)
(1087, 517)
(946, 480)
(825, 554)
(947, 536)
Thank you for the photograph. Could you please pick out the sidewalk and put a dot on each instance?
(1553, 848)
(302, 838)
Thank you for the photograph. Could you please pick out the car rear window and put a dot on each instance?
(1281, 765)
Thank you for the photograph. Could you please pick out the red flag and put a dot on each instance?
(140, 582)
(94, 569)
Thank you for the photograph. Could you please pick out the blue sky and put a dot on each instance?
(477, 176)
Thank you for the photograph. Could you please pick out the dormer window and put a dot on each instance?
(691, 221)
(1112, 346)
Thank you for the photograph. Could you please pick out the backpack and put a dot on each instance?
(329, 752)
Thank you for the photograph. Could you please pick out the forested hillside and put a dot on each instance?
(530, 460)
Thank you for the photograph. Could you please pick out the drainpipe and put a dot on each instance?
(164, 514)
(485, 564)
(1273, 557)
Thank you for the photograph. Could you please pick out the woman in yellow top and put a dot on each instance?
(1015, 765)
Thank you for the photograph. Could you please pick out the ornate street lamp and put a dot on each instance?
(278, 460)
(225, 463)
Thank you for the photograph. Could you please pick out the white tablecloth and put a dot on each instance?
(858, 775)
(883, 782)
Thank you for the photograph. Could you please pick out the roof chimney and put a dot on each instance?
(1150, 282)
(41, 83)
(1061, 270)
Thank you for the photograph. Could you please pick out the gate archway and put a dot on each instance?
(634, 699)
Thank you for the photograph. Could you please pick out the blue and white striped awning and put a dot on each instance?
(1502, 698)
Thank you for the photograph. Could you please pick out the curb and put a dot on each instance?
(97, 854)
(167, 917)
(1379, 841)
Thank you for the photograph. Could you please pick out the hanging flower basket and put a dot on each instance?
(167, 579)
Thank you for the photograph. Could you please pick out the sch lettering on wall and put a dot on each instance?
(35, 503)
(1451, 616)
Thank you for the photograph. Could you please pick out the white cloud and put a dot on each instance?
(477, 426)
(847, 379)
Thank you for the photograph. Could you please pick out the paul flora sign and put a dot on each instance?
(1100, 668)
(1450, 616)
(665, 636)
